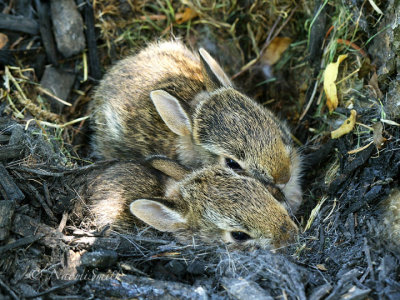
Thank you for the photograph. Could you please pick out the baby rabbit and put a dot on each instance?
(213, 203)
(168, 100)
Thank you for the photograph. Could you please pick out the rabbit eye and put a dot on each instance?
(240, 236)
(232, 164)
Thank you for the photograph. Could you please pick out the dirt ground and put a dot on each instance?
(276, 52)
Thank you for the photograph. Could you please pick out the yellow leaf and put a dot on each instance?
(321, 267)
(187, 15)
(373, 82)
(3, 40)
(346, 127)
(275, 49)
(330, 76)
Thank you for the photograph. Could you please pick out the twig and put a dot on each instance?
(321, 291)
(54, 289)
(11, 151)
(91, 239)
(46, 33)
(127, 267)
(314, 213)
(370, 269)
(47, 194)
(278, 31)
(46, 208)
(133, 244)
(8, 290)
(310, 101)
(63, 222)
(48, 93)
(38, 172)
(11, 190)
(150, 240)
(93, 56)
(153, 17)
(21, 242)
(348, 76)
(360, 149)
(65, 124)
(329, 32)
(97, 165)
(352, 45)
(268, 40)
(19, 24)
(61, 173)
(52, 125)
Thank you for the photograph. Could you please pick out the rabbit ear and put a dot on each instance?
(214, 76)
(172, 113)
(168, 166)
(157, 215)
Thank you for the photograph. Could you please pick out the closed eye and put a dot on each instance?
(240, 236)
(232, 164)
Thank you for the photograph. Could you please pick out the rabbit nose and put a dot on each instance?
(274, 189)
(282, 178)
(263, 178)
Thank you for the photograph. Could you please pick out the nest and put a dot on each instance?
(348, 247)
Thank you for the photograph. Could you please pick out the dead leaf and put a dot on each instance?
(187, 15)
(275, 49)
(321, 267)
(3, 40)
(346, 127)
(330, 76)
(373, 82)
(365, 68)
(378, 138)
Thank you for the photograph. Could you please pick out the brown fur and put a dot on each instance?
(223, 122)
(126, 122)
(109, 192)
(212, 201)
(391, 218)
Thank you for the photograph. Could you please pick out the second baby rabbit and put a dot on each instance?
(168, 100)
(212, 203)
